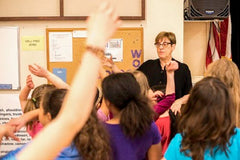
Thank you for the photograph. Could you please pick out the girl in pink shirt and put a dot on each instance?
(32, 103)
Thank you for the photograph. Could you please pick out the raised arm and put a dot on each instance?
(24, 119)
(108, 62)
(169, 96)
(42, 72)
(23, 96)
(176, 106)
(79, 100)
(170, 69)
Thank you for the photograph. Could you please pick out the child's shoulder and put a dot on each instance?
(237, 130)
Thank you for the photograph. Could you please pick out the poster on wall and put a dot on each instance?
(114, 48)
(10, 108)
(60, 47)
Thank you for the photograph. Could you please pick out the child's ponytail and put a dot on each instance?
(136, 117)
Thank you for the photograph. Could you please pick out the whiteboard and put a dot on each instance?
(9, 58)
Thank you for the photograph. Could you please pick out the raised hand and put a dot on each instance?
(77, 105)
(101, 25)
(23, 96)
(158, 93)
(29, 82)
(108, 62)
(38, 70)
(172, 66)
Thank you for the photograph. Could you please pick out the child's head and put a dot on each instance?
(92, 141)
(142, 81)
(51, 104)
(123, 94)
(228, 72)
(34, 101)
(120, 89)
(208, 118)
(144, 86)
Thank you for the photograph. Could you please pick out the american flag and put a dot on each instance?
(219, 43)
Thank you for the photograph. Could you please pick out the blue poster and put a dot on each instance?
(5, 86)
(61, 73)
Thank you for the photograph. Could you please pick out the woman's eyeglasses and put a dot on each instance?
(164, 44)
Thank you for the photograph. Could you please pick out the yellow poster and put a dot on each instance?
(32, 43)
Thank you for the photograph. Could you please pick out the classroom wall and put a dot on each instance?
(161, 15)
(195, 46)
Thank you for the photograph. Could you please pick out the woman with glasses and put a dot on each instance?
(154, 69)
(165, 43)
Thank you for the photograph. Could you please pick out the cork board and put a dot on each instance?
(132, 41)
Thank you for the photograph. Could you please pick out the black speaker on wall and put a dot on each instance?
(206, 9)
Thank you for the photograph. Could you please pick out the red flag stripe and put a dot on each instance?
(208, 56)
(212, 51)
(219, 43)
(223, 34)
(216, 36)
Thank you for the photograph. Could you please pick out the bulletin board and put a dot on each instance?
(9, 58)
(132, 41)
